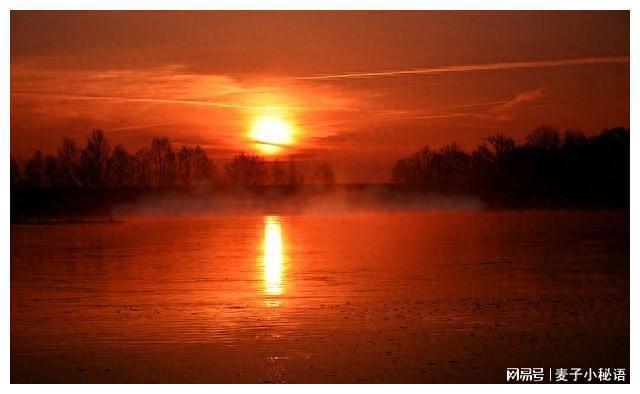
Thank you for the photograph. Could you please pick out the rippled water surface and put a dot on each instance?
(387, 297)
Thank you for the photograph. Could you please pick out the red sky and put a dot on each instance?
(360, 89)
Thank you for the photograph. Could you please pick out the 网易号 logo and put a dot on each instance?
(566, 375)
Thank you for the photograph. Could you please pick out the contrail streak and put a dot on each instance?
(472, 67)
(136, 99)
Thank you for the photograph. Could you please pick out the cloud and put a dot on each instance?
(504, 111)
(151, 100)
(168, 100)
(493, 110)
(472, 67)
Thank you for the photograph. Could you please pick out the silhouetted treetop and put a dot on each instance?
(547, 168)
(98, 165)
(247, 170)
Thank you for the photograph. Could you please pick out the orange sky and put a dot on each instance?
(360, 89)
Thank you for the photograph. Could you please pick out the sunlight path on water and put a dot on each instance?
(273, 256)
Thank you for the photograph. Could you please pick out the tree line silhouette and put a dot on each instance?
(548, 168)
(158, 166)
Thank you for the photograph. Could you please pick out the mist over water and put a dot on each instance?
(366, 199)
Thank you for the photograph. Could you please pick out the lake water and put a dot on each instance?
(378, 297)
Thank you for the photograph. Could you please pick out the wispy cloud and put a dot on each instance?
(504, 111)
(499, 110)
(152, 100)
(471, 68)
(168, 100)
(142, 126)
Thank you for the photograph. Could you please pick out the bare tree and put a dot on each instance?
(34, 170)
(163, 162)
(52, 172)
(185, 166)
(142, 173)
(499, 145)
(121, 167)
(574, 139)
(246, 170)
(69, 163)
(543, 137)
(95, 158)
(413, 170)
(204, 170)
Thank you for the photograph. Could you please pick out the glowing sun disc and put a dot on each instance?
(271, 133)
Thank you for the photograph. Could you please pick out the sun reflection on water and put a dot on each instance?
(273, 256)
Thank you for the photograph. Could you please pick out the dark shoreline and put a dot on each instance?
(105, 205)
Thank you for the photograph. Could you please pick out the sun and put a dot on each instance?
(271, 133)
